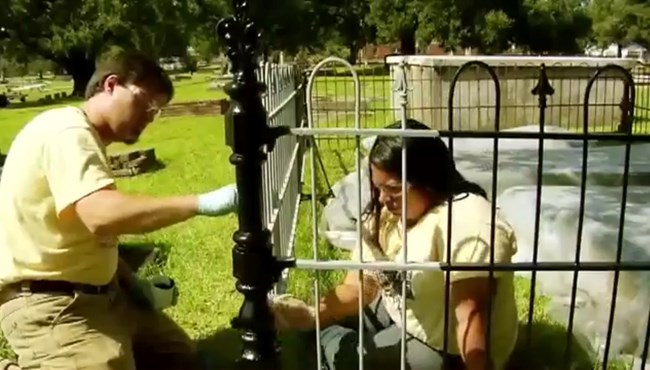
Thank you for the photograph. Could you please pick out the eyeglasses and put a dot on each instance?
(152, 108)
(392, 190)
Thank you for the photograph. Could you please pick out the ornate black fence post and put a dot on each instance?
(248, 134)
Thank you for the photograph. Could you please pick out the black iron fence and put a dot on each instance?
(564, 82)
(534, 134)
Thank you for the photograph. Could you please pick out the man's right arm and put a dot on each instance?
(82, 185)
(109, 212)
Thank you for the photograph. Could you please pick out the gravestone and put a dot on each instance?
(134, 162)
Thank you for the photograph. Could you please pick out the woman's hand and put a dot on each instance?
(292, 314)
(343, 301)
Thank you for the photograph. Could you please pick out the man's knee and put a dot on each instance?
(64, 332)
(71, 348)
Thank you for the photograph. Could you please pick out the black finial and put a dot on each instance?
(241, 38)
(543, 90)
(543, 86)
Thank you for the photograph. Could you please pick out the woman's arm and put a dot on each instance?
(470, 300)
(343, 300)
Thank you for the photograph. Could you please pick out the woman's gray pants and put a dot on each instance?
(382, 345)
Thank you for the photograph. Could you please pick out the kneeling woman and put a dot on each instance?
(432, 181)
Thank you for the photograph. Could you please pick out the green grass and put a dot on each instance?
(54, 85)
(197, 253)
(196, 88)
(188, 88)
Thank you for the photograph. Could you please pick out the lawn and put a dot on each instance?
(197, 253)
(189, 87)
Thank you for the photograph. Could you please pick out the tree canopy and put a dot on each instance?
(72, 34)
(621, 22)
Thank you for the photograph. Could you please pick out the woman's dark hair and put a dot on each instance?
(429, 166)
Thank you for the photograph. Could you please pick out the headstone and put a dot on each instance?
(215, 85)
(134, 163)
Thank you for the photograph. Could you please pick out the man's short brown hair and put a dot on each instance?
(131, 67)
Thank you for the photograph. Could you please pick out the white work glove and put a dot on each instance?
(157, 293)
(218, 202)
(291, 313)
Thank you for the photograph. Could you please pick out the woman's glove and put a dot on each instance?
(156, 293)
(218, 202)
(291, 313)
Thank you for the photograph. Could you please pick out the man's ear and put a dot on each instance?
(109, 83)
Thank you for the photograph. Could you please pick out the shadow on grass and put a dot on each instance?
(142, 255)
(222, 350)
(546, 351)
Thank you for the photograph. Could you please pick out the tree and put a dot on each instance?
(396, 20)
(554, 26)
(287, 25)
(206, 46)
(344, 23)
(487, 25)
(621, 22)
(74, 33)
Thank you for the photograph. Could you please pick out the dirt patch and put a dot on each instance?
(134, 163)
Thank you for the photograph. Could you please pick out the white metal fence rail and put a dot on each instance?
(281, 172)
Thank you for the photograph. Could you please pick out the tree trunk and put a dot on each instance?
(81, 68)
(407, 43)
(354, 53)
(619, 50)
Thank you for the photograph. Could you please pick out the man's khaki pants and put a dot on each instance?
(93, 332)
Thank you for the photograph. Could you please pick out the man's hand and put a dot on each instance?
(218, 202)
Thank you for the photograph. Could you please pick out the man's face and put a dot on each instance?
(131, 109)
